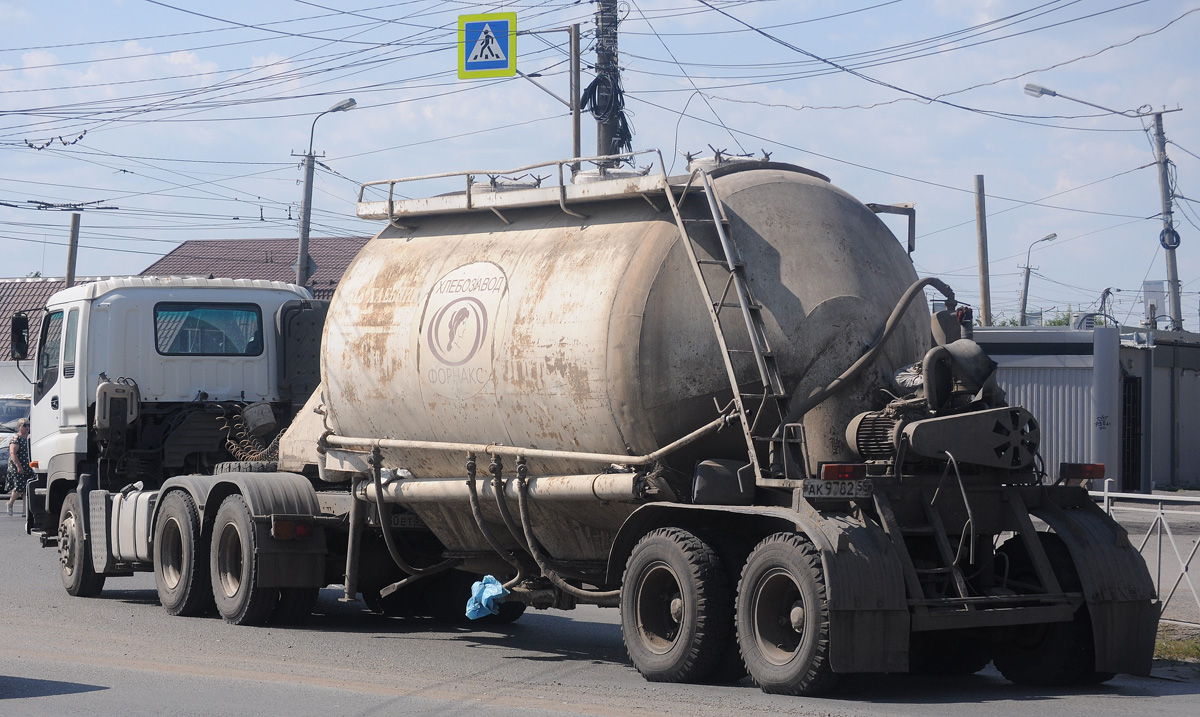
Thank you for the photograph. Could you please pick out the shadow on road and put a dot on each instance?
(23, 687)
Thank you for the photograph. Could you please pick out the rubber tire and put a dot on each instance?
(1051, 654)
(295, 605)
(671, 641)
(233, 567)
(245, 467)
(74, 553)
(785, 568)
(181, 557)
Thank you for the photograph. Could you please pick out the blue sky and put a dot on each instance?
(191, 116)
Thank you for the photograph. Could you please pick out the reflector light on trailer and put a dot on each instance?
(33, 464)
(283, 529)
(1080, 473)
(843, 471)
(291, 527)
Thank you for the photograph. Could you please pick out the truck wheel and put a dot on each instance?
(246, 467)
(181, 557)
(783, 617)
(233, 567)
(1049, 654)
(295, 605)
(74, 554)
(675, 607)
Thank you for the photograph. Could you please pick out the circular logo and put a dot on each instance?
(457, 330)
(461, 317)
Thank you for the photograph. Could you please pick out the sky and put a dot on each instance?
(162, 121)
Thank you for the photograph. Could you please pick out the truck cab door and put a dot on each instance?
(45, 415)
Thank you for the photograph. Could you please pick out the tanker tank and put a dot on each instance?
(544, 329)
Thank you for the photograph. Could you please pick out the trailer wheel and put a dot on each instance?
(783, 617)
(948, 653)
(675, 607)
(74, 554)
(181, 557)
(1049, 654)
(295, 605)
(233, 566)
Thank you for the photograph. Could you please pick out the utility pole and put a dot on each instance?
(304, 263)
(1168, 238)
(985, 281)
(606, 66)
(72, 250)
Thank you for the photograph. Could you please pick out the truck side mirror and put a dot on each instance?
(20, 337)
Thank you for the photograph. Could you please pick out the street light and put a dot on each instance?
(1168, 238)
(1025, 288)
(303, 262)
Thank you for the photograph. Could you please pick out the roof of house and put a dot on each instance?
(272, 259)
(27, 295)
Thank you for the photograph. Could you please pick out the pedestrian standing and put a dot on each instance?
(19, 470)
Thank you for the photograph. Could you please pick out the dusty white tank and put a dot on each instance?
(590, 333)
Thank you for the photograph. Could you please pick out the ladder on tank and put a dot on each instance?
(728, 269)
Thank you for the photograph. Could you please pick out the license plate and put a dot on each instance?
(836, 488)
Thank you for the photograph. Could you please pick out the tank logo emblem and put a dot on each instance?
(456, 355)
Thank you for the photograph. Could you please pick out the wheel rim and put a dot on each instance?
(66, 543)
(659, 608)
(171, 554)
(779, 616)
(229, 560)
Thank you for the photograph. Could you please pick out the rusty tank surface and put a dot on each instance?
(718, 402)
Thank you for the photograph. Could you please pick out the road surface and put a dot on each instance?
(122, 654)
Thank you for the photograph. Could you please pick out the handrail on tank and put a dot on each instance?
(496, 449)
(472, 173)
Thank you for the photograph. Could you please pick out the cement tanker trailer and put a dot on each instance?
(715, 401)
(683, 393)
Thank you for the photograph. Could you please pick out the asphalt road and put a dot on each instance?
(122, 654)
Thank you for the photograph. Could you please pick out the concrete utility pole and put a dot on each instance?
(1025, 284)
(303, 261)
(985, 281)
(1168, 238)
(606, 66)
(72, 250)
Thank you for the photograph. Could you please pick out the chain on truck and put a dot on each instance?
(716, 401)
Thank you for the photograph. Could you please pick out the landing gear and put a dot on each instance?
(783, 617)
(675, 607)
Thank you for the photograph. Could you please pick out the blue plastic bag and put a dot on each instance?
(486, 597)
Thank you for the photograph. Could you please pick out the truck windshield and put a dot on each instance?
(191, 329)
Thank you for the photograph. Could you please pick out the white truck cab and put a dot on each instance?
(178, 359)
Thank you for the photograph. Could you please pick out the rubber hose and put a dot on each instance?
(477, 512)
(385, 520)
(893, 322)
(606, 598)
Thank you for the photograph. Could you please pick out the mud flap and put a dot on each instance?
(1116, 585)
(869, 622)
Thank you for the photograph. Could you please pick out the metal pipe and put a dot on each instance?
(599, 487)
(357, 519)
(497, 449)
(605, 598)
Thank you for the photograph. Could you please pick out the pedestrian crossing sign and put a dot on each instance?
(487, 45)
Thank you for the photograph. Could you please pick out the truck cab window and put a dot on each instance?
(49, 349)
(192, 329)
(68, 353)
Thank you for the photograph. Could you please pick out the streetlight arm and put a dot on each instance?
(1039, 91)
